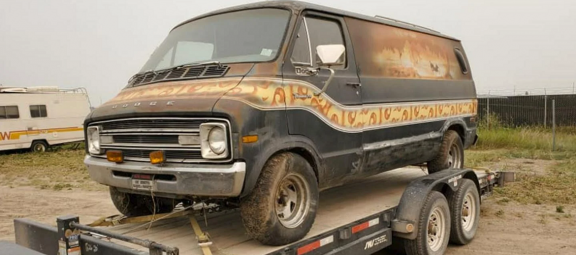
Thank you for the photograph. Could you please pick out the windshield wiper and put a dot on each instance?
(156, 72)
(213, 62)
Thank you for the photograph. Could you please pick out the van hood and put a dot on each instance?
(197, 97)
(174, 98)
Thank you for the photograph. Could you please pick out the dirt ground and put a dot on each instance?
(505, 227)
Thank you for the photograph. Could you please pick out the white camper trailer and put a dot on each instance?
(38, 117)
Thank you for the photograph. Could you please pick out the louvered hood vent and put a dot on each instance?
(194, 72)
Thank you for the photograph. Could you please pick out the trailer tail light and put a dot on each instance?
(315, 245)
(115, 156)
(365, 225)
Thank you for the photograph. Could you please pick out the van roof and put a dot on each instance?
(298, 6)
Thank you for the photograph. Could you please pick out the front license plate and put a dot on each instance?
(143, 184)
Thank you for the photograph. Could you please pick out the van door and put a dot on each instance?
(331, 120)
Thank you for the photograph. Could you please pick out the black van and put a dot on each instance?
(263, 105)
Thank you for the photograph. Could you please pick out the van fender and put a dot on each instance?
(279, 145)
(405, 224)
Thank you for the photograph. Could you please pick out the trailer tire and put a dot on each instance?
(287, 185)
(464, 212)
(433, 227)
(450, 155)
(138, 205)
(39, 146)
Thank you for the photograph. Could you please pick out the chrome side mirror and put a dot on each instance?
(329, 55)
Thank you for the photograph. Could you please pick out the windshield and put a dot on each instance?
(243, 36)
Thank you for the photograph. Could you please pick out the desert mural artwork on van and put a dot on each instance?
(278, 94)
(399, 53)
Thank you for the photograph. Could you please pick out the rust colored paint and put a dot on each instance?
(239, 69)
(386, 51)
(276, 94)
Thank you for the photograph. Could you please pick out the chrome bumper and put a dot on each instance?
(194, 180)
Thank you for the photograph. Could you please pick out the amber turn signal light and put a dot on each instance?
(250, 139)
(157, 157)
(115, 156)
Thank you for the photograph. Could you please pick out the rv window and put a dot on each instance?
(38, 111)
(9, 112)
(322, 32)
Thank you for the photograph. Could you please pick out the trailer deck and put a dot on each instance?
(350, 218)
(338, 207)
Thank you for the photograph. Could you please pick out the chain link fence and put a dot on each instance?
(529, 110)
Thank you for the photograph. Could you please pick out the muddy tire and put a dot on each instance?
(450, 155)
(282, 207)
(138, 205)
(433, 227)
(39, 146)
(464, 212)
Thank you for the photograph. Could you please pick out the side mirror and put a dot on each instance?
(327, 56)
(330, 54)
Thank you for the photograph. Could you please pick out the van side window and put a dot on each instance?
(301, 52)
(322, 32)
(9, 112)
(461, 61)
(38, 111)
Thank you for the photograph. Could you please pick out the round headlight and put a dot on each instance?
(217, 140)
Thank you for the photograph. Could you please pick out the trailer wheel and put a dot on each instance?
(138, 205)
(450, 155)
(465, 212)
(282, 207)
(433, 227)
(39, 146)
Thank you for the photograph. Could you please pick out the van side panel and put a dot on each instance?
(399, 65)
(418, 80)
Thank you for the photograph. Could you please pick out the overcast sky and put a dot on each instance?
(512, 44)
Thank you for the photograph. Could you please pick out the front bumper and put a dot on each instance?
(191, 180)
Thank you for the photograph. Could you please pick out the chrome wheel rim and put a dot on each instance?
(292, 200)
(454, 157)
(39, 148)
(436, 229)
(468, 212)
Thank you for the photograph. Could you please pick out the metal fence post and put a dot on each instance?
(545, 106)
(488, 110)
(553, 124)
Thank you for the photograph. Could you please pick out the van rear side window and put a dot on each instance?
(461, 61)
(9, 112)
(38, 111)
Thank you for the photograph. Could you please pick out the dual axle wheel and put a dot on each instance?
(453, 218)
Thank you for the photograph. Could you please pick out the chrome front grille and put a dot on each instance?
(138, 137)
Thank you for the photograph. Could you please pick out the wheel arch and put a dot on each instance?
(458, 125)
(408, 211)
(296, 144)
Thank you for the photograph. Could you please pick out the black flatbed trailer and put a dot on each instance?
(358, 218)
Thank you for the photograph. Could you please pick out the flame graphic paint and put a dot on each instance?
(275, 94)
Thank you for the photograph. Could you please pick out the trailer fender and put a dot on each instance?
(405, 223)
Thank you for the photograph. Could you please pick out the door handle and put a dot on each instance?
(354, 84)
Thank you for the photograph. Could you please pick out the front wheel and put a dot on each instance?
(433, 227)
(138, 205)
(282, 207)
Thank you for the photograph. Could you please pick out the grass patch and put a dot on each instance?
(555, 186)
(560, 209)
(60, 169)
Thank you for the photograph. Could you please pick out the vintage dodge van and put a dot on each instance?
(263, 105)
